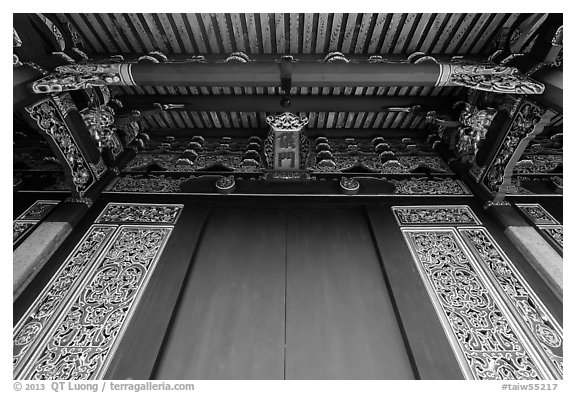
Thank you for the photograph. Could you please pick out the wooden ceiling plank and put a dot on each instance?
(139, 33)
(340, 119)
(448, 33)
(475, 32)
(365, 30)
(335, 32)
(116, 26)
(387, 122)
(321, 33)
(406, 121)
(211, 31)
(433, 32)
(392, 33)
(165, 28)
(197, 120)
(225, 35)
(185, 36)
(359, 119)
(178, 119)
(378, 33)
(349, 31)
(494, 26)
(197, 32)
(266, 35)
(467, 23)
(87, 26)
(407, 26)
(280, 33)
(294, 32)
(99, 26)
(321, 116)
(252, 28)
(158, 38)
(420, 33)
(369, 120)
(378, 120)
(90, 41)
(308, 29)
(215, 120)
(206, 119)
(237, 33)
(187, 119)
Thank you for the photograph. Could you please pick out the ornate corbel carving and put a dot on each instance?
(522, 129)
(239, 57)
(99, 121)
(82, 76)
(475, 126)
(48, 119)
(491, 78)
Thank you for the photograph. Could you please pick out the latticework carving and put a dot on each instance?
(425, 186)
(140, 213)
(536, 214)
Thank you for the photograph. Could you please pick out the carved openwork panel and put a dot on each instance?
(71, 331)
(540, 324)
(42, 313)
(158, 184)
(140, 213)
(484, 336)
(434, 215)
(80, 344)
(536, 214)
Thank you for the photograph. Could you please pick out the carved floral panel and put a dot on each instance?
(556, 233)
(484, 336)
(38, 210)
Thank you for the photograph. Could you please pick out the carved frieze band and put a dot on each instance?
(483, 334)
(555, 232)
(545, 332)
(50, 121)
(73, 328)
(434, 215)
(140, 213)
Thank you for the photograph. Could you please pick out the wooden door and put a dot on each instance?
(285, 294)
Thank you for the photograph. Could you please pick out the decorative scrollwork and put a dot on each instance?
(424, 215)
(534, 314)
(38, 210)
(491, 78)
(46, 116)
(139, 213)
(556, 232)
(35, 323)
(349, 185)
(536, 214)
(287, 122)
(489, 346)
(21, 228)
(83, 76)
(425, 186)
(81, 343)
(523, 124)
(64, 103)
(538, 163)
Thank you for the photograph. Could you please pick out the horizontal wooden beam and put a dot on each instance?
(419, 135)
(273, 103)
